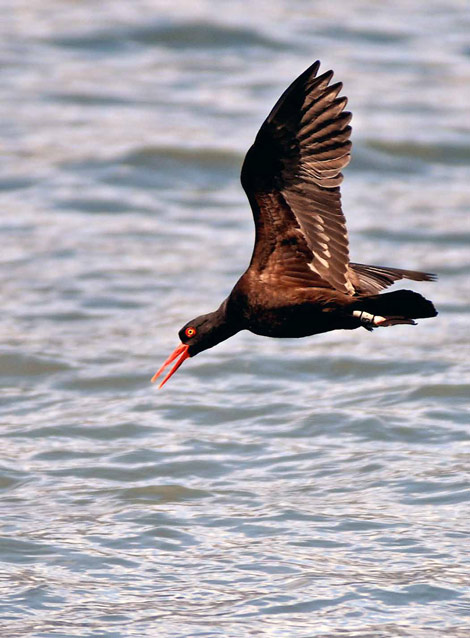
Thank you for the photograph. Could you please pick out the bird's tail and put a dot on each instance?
(392, 308)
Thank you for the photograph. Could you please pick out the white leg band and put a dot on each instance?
(367, 319)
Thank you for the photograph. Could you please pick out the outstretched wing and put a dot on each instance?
(291, 176)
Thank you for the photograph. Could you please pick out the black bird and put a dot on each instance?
(300, 281)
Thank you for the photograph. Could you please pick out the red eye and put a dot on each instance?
(190, 332)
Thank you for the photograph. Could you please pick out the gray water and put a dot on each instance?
(310, 488)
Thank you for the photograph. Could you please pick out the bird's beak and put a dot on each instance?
(182, 350)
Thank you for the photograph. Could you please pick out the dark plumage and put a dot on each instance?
(300, 281)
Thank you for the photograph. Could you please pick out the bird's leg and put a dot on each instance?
(370, 321)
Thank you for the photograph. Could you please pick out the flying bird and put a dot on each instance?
(300, 281)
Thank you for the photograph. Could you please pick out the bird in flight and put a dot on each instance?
(300, 281)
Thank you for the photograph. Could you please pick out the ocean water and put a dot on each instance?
(274, 488)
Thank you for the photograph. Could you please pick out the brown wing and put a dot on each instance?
(291, 176)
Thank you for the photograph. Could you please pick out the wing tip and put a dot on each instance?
(327, 75)
(312, 72)
(313, 68)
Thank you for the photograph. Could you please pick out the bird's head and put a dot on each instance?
(197, 335)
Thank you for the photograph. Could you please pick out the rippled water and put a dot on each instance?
(317, 487)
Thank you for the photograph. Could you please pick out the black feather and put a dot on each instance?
(401, 303)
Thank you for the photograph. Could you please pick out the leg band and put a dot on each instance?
(367, 319)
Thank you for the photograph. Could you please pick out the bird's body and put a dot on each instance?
(300, 281)
(287, 312)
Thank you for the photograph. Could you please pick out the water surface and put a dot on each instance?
(275, 488)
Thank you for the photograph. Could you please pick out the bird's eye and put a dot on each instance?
(190, 332)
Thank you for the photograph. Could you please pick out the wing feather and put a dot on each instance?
(291, 176)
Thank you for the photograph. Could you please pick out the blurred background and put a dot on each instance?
(317, 487)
